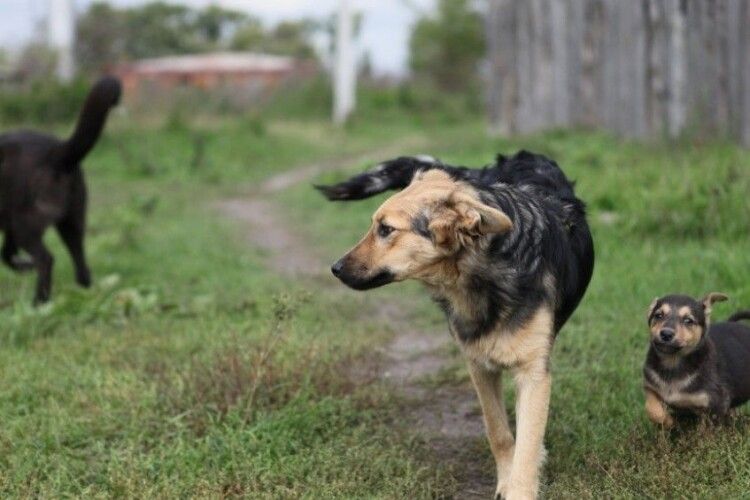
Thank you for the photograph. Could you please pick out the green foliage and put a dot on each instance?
(446, 49)
(43, 102)
(190, 369)
(108, 35)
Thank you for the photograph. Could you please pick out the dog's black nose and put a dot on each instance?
(337, 268)
(666, 335)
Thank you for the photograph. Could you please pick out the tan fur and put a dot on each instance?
(657, 410)
(527, 346)
(488, 384)
(457, 218)
(526, 351)
(674, 392)
(686, 336)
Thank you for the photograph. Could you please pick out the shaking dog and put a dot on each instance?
(507, 254)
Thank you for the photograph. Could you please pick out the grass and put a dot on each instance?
(192, 370)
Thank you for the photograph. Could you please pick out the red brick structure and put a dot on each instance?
(251, 74)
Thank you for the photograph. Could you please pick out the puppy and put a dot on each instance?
(693, 366)
(507, 254)
(42, 184)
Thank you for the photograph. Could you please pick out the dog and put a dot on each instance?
(691, 365)
(42, 184)
(506, 252)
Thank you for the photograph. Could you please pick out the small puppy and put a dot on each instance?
(41, 184)
(693, 368)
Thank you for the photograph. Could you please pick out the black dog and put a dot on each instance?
(42, 184)
(507, 253)
(691, 367)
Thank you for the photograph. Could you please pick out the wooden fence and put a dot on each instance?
(640, 68)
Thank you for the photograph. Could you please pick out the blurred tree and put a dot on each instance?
(158, 29)
(37, 62)
(446, 49)
(214, 24)
(291, 38)
(107, 35)
(249, 36)
(100, 37)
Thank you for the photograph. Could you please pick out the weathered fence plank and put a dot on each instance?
(639, 68)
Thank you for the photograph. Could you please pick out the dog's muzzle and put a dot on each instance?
(359, 280)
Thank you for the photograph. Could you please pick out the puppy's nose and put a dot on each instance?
(666, 335)
(337, 268)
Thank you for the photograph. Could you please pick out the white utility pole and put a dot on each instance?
(344, 68)
(61, 36)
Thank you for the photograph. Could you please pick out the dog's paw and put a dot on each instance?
(84, 279)
(520, 494)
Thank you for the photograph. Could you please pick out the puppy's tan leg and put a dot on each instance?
(488, 385)
(534, 385)
(657, 410)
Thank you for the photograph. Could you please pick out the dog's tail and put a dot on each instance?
(392, 174)
(740, 315)
(105, 95)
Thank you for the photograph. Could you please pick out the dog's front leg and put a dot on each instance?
(532, 406)
(488, 385)
(656, 410)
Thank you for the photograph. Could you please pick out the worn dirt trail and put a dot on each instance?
(448, 418)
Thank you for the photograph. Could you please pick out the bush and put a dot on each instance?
(43, 102)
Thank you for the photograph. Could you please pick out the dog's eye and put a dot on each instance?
(688, 321)
(658, 315)
(384, 230)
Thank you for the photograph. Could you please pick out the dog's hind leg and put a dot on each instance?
(534, 385)
(9, 254)
(31, 241)
(488, 385)
(71, 230)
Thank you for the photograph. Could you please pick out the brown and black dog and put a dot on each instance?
(42, 184)
(507, 254)
(694, 366)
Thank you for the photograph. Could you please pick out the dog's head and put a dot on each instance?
(678, 323)
(418, 231)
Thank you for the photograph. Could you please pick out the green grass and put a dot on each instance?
(192, 370)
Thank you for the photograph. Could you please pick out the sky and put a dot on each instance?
(385, 29)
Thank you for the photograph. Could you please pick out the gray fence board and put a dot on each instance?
(641, 68)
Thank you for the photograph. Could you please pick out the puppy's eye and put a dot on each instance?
(384, 230)
(688, 321)
(658, 315)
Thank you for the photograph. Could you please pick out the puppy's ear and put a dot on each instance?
(462, 219)
(651, 309)
(710, 298)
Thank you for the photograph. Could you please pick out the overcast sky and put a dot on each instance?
(384, 33)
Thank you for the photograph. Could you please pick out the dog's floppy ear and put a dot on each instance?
(712, 297)
(462, 219)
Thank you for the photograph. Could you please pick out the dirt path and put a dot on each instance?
(448, 418)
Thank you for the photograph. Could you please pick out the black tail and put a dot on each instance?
(392, 174)
(104, 96)
(740, 315)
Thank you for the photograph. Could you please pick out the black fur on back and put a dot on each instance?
(511, 278)
(739, 316)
